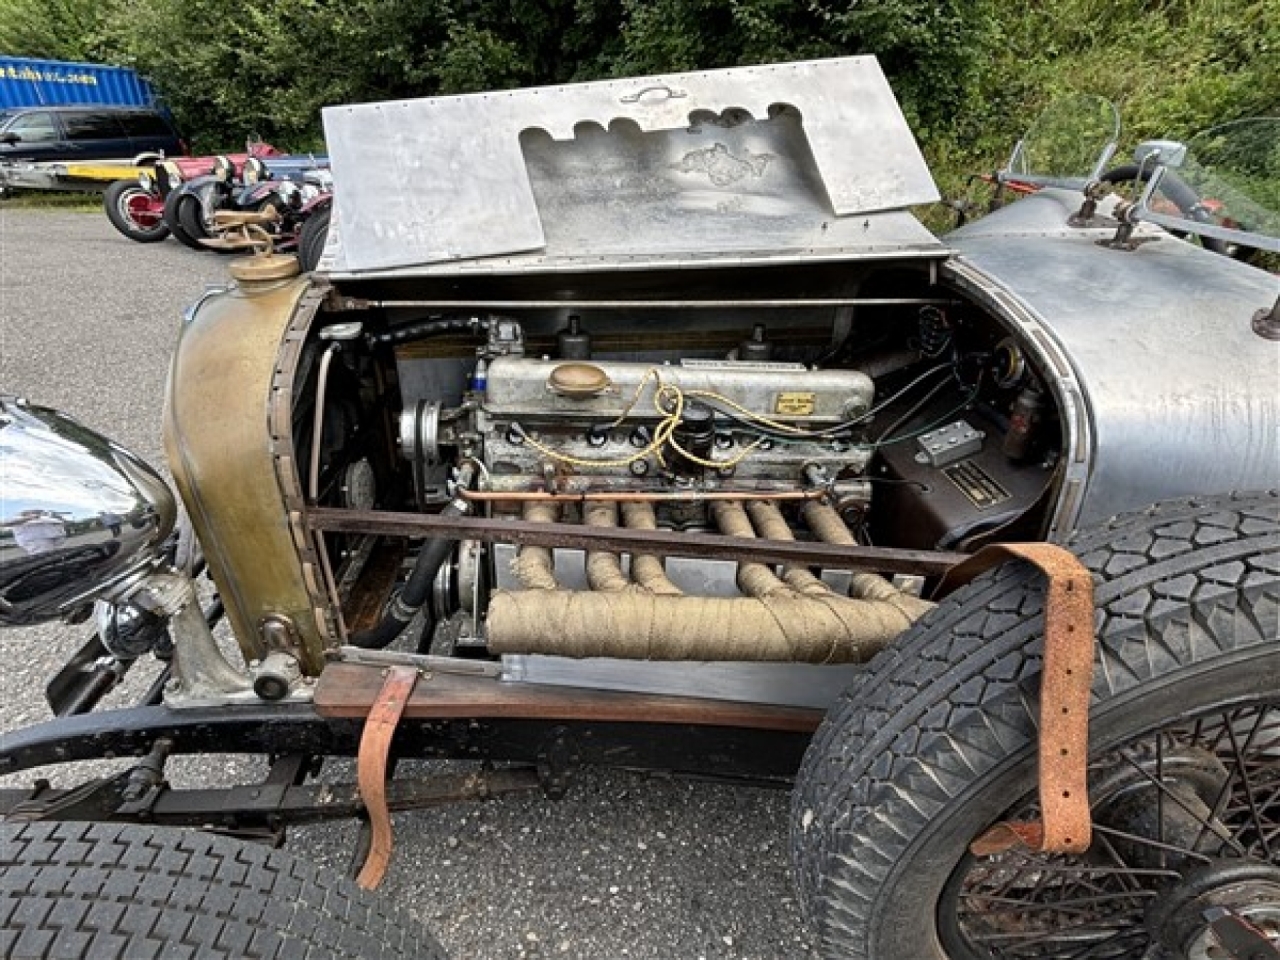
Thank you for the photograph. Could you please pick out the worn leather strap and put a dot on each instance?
(371, 767)
(1066, 678)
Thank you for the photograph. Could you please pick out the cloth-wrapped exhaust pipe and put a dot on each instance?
(647, 570)
(776, 622)
(604, 570)
(535, 567)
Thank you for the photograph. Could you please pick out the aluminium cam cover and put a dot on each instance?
(790, 161)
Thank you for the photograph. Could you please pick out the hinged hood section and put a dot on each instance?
(784, 161)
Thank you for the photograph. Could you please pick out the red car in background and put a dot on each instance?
(136, 207)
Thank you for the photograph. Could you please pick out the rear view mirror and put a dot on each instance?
(1226, 186)
(1170, 153)
(10, 138)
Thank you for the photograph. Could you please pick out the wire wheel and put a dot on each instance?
(936, 742)
(1187, 818)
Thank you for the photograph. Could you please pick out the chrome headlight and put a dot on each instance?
(255, 171)
(289, 193)
(78, 514)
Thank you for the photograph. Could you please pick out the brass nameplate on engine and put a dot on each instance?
(795, 404)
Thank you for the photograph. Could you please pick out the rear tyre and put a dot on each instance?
(133, 212)
(936, 743)
(191, 217)
(172, 205)
(312, 237)
(115, 890)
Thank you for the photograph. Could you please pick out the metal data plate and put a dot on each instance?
(750, 159)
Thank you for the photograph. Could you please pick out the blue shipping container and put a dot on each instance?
(34, 83)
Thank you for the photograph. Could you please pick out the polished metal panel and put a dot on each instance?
(1183, 397)
(779, 684)
(77, 513)
(743, 161)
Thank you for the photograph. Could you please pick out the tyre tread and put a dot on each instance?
(107, 890)
(959, 693)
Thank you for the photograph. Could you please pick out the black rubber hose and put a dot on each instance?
(421, 330)
(1179, 193)
(405, 605)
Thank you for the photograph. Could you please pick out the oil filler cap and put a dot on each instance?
(578, 381)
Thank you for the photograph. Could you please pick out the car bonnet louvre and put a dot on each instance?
(741, 161)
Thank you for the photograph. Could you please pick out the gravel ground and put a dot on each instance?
(624, 866)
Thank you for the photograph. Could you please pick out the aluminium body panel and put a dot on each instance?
(741, 162)
(1183, 397)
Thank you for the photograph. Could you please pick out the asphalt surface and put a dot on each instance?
(624, 866)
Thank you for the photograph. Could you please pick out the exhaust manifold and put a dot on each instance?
(795, 617)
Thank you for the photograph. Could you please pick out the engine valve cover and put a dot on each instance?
(520, 387)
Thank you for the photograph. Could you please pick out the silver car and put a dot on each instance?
(640, 422)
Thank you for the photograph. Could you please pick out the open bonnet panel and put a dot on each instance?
(804, 160)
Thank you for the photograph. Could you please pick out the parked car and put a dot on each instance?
(640, 423)
(86, 132)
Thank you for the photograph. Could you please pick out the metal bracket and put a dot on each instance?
(279, 633)
(1238, 937)
(1066, 677)
(200, 671)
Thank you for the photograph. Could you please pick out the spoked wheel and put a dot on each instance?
(1187, 820)
(936, 743)
(135, 212)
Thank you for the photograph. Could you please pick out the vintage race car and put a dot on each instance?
(639, 422)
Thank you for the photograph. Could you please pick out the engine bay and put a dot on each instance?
(888, 418)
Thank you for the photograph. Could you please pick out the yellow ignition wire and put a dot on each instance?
(669, 402)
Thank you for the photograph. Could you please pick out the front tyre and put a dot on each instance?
(114, 890)
(135, 212)
(937, 743)
(312, 237)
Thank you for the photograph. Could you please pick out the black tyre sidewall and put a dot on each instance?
(906, 918)
(935, 741)
(312, 236)
(191, 216)
(172, 205)
(113, 199)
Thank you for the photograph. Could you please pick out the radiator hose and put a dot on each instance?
(405, 604)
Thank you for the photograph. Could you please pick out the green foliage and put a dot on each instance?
(971, 74)
(51, 29)
(230, 68)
